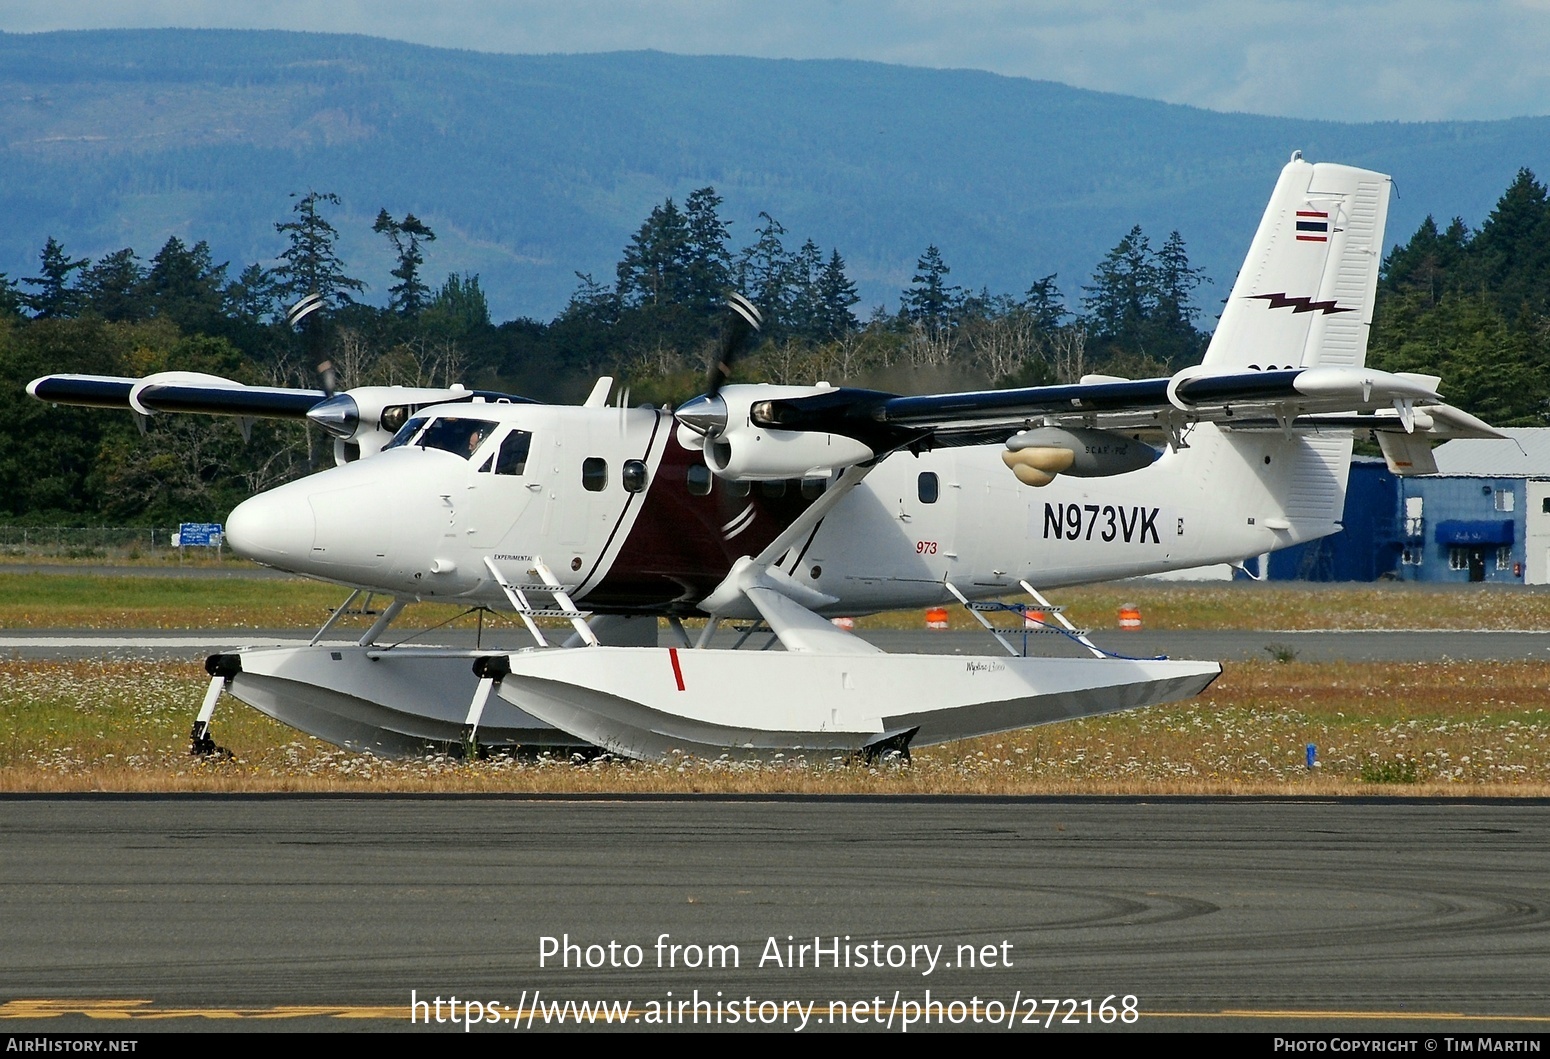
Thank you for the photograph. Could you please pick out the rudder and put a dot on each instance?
(1305, 294)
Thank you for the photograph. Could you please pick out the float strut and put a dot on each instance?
(221, 669)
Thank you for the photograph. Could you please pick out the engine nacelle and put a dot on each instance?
(364, 419)
(1037, 456)
(738, 450)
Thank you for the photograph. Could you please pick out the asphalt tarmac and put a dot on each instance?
(131, 915)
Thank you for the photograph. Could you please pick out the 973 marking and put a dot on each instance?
(1074, 522)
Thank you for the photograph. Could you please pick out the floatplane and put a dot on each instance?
(788, 506)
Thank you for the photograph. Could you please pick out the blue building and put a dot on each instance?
(1484, 517)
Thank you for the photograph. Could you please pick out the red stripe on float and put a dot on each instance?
(678, 673)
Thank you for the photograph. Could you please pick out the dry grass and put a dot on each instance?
(1452, 728)
(1287, 606)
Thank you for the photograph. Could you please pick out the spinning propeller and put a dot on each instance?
(744, 321)
(706, 415)
(302, 313)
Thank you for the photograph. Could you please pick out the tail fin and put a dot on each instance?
(1305, 294)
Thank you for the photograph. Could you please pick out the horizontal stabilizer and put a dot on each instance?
(1407, 454)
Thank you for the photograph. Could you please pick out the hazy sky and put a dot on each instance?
(1353, 60)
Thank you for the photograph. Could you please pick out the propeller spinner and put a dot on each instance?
(706, 415)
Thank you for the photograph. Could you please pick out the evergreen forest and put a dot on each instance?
(1469, 304)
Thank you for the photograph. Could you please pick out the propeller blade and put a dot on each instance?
(744, 320)
(305, 307)
(329, 376)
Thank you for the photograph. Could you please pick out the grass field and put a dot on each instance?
(1434, 728)
(88, 601)
(1439, 728)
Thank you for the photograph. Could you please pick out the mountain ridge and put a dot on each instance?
(532, 168)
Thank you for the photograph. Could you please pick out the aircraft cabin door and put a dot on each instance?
(502, 488)
(588, 486)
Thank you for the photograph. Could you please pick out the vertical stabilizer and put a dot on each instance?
(1304, 296)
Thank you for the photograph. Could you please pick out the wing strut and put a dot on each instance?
(758, 587)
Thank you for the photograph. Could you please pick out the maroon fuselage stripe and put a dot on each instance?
(677, 552)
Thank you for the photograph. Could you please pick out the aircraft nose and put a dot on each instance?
(271, 529)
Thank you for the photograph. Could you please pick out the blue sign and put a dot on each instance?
(1467, 532)
(199, 535)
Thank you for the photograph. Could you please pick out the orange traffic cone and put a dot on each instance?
(936, 618)
(1130, 618)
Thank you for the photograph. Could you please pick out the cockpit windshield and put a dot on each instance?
(407, 431)
(460, 435)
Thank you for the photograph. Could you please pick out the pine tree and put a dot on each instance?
(409, 295)
(309, 264)
(805, 305)
(706, 260)
(55, 299)
(768, 274)
(10, 297)
(836, 295)
(113, 288)
(591, 303)
(929, 299)
(1513, 248)
(655, 268)
(1173, 338)
(1123, 293)
(251, 297)
(185, 286)
(459, 307)
(1045, 305)
(1430, 262)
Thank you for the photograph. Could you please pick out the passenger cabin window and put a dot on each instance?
(594, 474)
(928, 488)
(512, 457)
(633, 476)
(773, 489)
(739, 489)
(812, 488)
(699, 479)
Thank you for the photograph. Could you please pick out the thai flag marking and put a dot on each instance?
(1312, 226)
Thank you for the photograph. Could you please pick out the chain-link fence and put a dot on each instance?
(89, 542)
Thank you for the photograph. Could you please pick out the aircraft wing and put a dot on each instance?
(177, 391)
(1315, 397)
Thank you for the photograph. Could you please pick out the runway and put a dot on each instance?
(295, 913)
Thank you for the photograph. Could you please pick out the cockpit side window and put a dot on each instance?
(460, 436)
(512, 458)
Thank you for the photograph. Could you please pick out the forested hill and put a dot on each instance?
(532, 168)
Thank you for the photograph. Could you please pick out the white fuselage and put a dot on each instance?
(630, 521)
